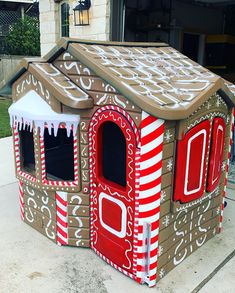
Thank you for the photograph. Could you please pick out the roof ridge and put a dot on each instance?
(115, 43)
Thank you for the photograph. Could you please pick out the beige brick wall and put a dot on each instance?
(99, 28)
(49, 25)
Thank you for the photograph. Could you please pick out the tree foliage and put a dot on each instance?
(24, 37)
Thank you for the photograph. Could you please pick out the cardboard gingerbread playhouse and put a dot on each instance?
(122, 147)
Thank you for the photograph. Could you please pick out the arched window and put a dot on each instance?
(112, 161)
(64, 19)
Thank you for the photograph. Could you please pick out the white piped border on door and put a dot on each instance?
(122, 232)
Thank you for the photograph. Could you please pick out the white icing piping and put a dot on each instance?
(163, 75)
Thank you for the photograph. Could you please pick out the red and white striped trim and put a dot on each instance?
(16, 140)
(62, 217)
(152, 132)
(43, 165)
(43, 162)
(75, 155)
(137, 165)
(227, 166)
(27, 176)
(136, 221)
(21, 198)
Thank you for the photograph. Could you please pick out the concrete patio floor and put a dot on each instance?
(30, 263)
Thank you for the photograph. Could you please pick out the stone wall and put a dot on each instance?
(99, 22)
(99, 28)
(49, 25)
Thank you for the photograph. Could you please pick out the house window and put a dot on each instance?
(216, 153)
(191, 163)
(64, 19)
(27, 151)
(113, 153)
(59, 155)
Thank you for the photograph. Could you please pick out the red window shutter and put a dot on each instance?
(191, 163)
(216, 153)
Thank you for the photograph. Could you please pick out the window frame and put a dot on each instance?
(18, 156)
(61, 183)
(60, 17)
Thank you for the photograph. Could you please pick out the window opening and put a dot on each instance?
(59, 155)
(113, 153)
(27, 150)
(65, 20)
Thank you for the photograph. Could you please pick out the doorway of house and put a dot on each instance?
(112, 162)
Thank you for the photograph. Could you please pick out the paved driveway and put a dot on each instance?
(30, 263)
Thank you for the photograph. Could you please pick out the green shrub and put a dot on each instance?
(24, 37)
(5, 129)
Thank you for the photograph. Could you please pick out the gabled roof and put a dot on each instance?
(63, 88)
(154, 76)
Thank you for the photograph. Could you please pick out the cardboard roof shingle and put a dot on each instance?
(154, 76)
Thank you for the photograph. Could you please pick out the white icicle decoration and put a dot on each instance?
(33, 110)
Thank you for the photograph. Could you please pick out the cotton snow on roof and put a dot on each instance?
(33, 110)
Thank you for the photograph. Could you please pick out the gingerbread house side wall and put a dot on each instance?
(186, 227)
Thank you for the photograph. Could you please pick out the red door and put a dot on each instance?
(191, 163)
(216, 153)
(112, 162)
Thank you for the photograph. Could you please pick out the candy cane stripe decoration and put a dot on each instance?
(227, 166)
(152, 132)
(62, 218)
(43, 163)
(17, 148)
(136, 222)
(21, 198)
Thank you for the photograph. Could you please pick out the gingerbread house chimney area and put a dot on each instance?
(123, 148)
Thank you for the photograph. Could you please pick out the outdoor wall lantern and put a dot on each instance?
(81, 13)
